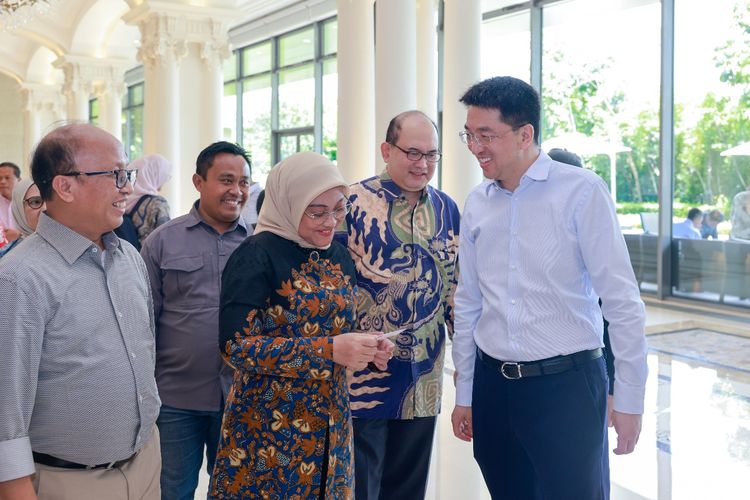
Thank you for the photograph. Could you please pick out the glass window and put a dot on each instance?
(330, 107)
(297, 47)
(132, 121)
(712, 249)
(256, 123)
(257, 59)
(94, 111)
(512, 34)
(297, 97)
(229, 112)
(330, 37)
(229, 67)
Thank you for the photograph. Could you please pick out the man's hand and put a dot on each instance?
(354, 350)
(461, 420)
(384, 354)
(628, 428)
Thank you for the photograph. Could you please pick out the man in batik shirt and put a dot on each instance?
(403, 237)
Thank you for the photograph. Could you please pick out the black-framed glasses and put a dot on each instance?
(416, 155)
(320, 216)
(483, 139)
(122, 176)
(34, 202)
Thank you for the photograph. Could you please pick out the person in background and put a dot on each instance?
(287, 319)
(79, 402)
(403, 236)
(250, 211)
(26, 206)
(540, 244)
(565, 156)
(741, 216)
(185, 258)
(146, 207)
(690, 227)
(709, 224)
(10, 174)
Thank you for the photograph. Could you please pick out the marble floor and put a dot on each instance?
(695, 442)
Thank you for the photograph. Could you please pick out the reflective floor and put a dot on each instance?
(695, 443)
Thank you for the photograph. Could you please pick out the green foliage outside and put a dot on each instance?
(586, 100)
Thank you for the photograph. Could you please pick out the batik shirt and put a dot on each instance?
(287, 414)
(406, 261)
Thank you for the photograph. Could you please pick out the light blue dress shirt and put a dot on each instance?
(685, 229)
(534, 263)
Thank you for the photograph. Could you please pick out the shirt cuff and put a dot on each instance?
(628, 398)
(463, 392)
(16, 460)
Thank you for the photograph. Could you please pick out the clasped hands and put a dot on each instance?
(356, 349)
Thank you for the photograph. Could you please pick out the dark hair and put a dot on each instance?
(9, 164)
(516, 100)
(694, 212)
(54, 155)
(206, 157)
(394, 126)
(259, 201)
(565, 156)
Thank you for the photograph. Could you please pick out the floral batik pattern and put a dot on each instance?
(287, 424)
(406, 262)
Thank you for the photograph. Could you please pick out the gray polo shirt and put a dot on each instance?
(77, 357)
(185, 258)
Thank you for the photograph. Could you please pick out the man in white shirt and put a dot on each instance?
(540, 244)
(690, 228)
(10, 174)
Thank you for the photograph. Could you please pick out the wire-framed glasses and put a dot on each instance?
(122, 176)
(482, 139)
(416, 155)
(320, 216)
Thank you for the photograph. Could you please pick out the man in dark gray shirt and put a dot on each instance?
(185, 258)
(78, 400)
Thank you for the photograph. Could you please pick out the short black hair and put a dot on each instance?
(516, 100)
(394, 126)
(206, 157)
(10, 164)
(565, 156)
(259, 201)
(694, 212)
(54, 155)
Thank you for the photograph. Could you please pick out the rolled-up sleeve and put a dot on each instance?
(21, 335)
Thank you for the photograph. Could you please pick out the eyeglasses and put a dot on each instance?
(338, 213)
(122, 176)
(414, 155)
(482, 139)
(34, 202)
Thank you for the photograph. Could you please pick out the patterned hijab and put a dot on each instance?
(16, 207)
(153, 172)
(292, 184)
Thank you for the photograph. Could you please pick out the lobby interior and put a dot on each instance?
(653, 95)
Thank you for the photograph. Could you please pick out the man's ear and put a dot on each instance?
(63, 187)
(385, 151)
(198, 182)
(527, 135)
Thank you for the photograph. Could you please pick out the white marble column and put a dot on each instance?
(395, 62)
(461, 47)
(42, 106)
(356, 90)
(427, 57)
(110, 106)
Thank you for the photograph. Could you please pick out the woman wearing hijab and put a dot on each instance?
(288, 303)
(147, 209)
(26, 205)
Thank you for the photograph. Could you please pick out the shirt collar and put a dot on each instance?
(194, 219)
(70, 244)
(538, 171)
(391, 190)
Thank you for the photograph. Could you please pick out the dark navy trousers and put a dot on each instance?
(542, 437)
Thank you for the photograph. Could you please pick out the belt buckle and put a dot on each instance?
(508, 376)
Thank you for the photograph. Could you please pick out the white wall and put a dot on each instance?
(11, 123)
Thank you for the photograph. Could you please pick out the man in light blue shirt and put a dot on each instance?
(690, 228)
(540, 244)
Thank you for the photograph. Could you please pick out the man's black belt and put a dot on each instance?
(49, 460)
(514, 370)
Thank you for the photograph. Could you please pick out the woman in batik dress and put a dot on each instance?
(287, 309)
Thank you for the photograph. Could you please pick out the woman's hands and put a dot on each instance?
(356, 349)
